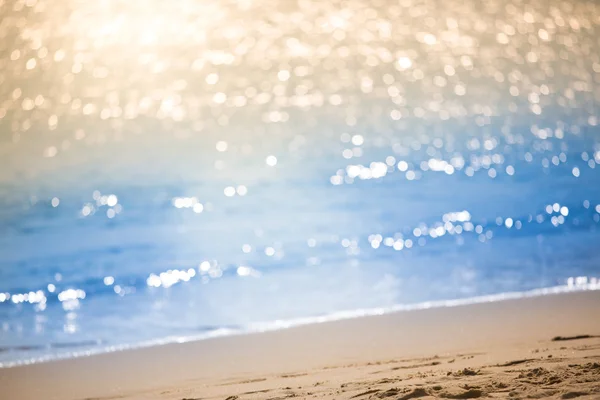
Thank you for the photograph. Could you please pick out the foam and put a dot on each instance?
(295, 322)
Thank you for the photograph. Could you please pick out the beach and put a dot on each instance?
(177, 173)
(539, 347)
(264, 200)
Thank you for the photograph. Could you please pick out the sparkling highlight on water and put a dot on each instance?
(216, 164)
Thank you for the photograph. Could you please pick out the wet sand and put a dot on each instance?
(542, 347)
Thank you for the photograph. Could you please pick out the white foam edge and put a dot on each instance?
(294, 322)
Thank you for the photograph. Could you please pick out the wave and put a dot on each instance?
(54, 353)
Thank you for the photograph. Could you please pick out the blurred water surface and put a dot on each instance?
(175, 170)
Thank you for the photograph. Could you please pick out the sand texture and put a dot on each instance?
(552, 370)
(545, 347)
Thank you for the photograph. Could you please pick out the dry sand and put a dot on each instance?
(493, 350)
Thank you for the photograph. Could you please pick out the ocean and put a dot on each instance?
(169, 176)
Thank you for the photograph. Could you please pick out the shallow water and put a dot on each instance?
(169, 175)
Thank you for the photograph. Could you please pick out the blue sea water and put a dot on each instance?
(293, 246)
(156, 196)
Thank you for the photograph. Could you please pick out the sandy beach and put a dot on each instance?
(542, 347)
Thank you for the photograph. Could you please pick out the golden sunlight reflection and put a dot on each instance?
(159, 156)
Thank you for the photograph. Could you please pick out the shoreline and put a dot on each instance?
(263, 327)
(506, 326)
